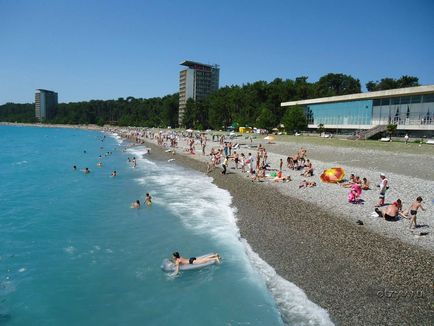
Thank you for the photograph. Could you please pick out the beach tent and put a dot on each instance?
(333, 175)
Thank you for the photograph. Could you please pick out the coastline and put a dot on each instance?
(358, 276)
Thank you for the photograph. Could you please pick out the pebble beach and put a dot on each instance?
(377, 273)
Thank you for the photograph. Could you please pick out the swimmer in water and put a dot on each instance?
(114, 173)
(136, 204)
(86, 171)
(99, 164)
(179, 260)
(74, 168)
(148, 199)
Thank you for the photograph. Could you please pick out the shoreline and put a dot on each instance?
(358, 276)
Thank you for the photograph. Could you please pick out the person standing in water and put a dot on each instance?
(148, 199)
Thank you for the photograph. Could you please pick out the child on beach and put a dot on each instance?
(413, 211)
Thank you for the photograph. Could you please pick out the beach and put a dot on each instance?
(376, 273)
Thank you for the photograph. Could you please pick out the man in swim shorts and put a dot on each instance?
(413, 211)
(392, 212)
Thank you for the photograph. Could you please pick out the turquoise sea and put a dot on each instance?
(73, 252)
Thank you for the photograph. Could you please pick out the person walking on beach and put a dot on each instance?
(413, 211)
(243, 163)
(225, 164)
(384, 185)
(280, 165)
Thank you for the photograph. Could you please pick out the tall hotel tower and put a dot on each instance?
(196, 82)
(45, 104)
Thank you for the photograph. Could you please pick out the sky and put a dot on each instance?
(105, 49)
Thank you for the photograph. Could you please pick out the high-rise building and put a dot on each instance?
(45, 104)
(196, 82)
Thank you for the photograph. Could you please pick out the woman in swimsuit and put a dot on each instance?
(179, 260)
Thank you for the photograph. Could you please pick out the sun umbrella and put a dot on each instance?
(333, 175)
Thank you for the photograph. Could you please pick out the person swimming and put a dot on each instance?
(114, 173)
(148, 199)
(86, 171)
(136, 204)
(179, 260)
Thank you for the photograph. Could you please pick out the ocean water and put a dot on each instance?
(73, 252)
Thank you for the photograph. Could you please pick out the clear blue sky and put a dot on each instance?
(108, 49)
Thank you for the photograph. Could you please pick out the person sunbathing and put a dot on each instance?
(307, 184)
(365, 184)
(308, 169)
(391, 212)
(350, 182)
(281, 178)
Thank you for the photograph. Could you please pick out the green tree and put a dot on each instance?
(294, 119)
(391, 129)
(266, 119)
(336, 84)
(390, 83)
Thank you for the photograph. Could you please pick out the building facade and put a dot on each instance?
(409, 108)
(45, 104)
(197, 81)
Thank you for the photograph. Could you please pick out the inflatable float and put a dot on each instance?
(168, 266)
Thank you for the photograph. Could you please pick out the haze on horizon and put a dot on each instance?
(106, 49)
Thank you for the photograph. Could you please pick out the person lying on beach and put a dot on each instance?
(350, 182)
(413, 211)
(281, 178)
(136, 204)
(179, 260)
(307, 184)
(391, 212)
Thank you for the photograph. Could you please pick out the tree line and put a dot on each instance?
(253, 104)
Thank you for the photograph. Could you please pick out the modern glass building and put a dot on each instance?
(410, 108)
(45, 104)
(196, 82)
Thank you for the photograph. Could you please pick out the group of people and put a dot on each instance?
(148, 201)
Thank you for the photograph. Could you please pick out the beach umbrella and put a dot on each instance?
(333, 175)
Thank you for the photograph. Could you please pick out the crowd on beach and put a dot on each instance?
(228, 155)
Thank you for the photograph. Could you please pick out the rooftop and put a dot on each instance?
(189, 63)
(408, 91)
